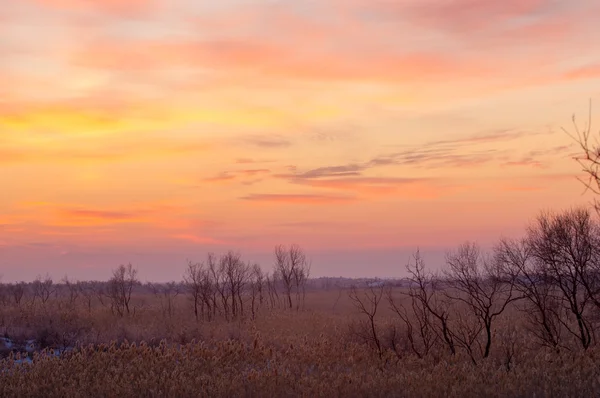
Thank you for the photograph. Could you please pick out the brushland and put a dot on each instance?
(521, 319)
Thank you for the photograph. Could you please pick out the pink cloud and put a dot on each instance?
(223, 177)
(456, 16)
(120, 7)
(198, 239)
(526, 162)
(235, 45)
(283, 61)
(464, 15)
(591, 71)
(298, 198)
(384, 186)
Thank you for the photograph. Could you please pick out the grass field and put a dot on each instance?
(317, 350)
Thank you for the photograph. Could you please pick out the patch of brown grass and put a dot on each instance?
(281, 353)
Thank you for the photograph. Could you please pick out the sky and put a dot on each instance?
(155, 131)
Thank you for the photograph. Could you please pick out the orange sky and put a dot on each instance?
(154, 131)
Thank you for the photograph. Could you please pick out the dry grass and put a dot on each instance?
(281, 353)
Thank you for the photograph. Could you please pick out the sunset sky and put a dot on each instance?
(153, 132)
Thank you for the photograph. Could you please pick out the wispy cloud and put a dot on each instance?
(461, 15)
(267, 141)
(377, 187)
(246, 176)
(541, 158)
(65, 215)
(252, 161)
(527, 161)
(198, 239)
(487, 137)
(298, 198)
(433, 158)
(99, 214)
(125, 8)
(585, 72)
(223, 177)
(253, 172)
(94, 217)
(331, 171)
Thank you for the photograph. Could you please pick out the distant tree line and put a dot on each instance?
(223, 286)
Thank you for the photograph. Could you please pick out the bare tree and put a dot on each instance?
(73, 291)
(416, 318)
(284, 269)
(101, 291)
(565, 248)
(43, 288)
(169, 292)
(120, 288)
(230, 266)
(193, 279)
(4, 294)
(367, 303)
(426, 290)
(17, 291)
(293, 268)
(256, 289)
(236, 273)
(86, 289)
(301, 274)
(540, 305)
(479, 283)
(217, 273)
(272, 281)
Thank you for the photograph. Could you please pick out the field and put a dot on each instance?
(318, 349)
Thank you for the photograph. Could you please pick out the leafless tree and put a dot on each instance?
(86, 289)
(43, 288)
(16, 291)
(301, 275)
(4, 294)
(217, 272)
(120, 288)
(272, 281)
(230, 265)
(236, 274)
(284, 269)
(540, 305)
(73, 291)
(416, 318)
(479, 283)
(293, 268)
(565, 248)
(193, 277)
(256, 288)
(101, 291)
(427, 291)
(367, 303)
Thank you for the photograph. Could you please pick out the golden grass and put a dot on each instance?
(282, 353)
